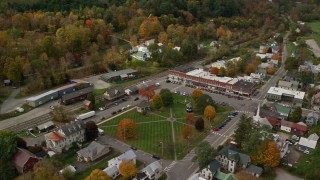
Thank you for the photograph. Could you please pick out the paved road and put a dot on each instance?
(11, 103)
(284, 175)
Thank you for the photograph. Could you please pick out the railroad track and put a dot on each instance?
(32, 122)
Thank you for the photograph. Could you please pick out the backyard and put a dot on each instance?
(160, 132)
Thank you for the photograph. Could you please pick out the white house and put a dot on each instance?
(63, 138)
(310, 143)
(113, 164)
(152, 171)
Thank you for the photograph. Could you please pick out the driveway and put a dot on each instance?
(11, 102)
(284, 175)
(98, 83)
(314, 47)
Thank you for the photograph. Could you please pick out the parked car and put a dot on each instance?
(52, 107)
(136, 99)
(119, 110)
(114, 112)
(168, 81)
(134, 148)
(290, 142)
(216, 129)
(102, 108)
(156, 157)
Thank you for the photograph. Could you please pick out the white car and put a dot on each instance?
(102, 108)
(52, 107)
(129, 105)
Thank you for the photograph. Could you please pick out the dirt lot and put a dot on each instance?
(98, 83)
(314, 47)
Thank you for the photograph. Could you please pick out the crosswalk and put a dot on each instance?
(189, 156)
(216, 133)
(170, 166)
(245, 112)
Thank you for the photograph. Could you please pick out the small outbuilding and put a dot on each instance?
(87, 104)
(45, 126)
(143, 106)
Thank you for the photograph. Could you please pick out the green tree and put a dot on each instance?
(8, 144)
(243, 131)
(296, 115)
(189, 48)
(199, 125)
(167, 97)
(205, 154)
(203, 101)
(91, 130)
(157, 101)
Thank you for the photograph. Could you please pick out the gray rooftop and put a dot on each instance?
(153, 168)
(34, 98)
(45, 125)
(233, 153)
(145, 84)
(118, 73)
(254, 169)
(213, 166)
(111, 170)
(77, 93)
(143, 104)
(116, 91)
(72, 127)
(92, 150)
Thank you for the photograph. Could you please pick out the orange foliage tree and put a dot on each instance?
(148, 92)
(98, 174)
(271, 70)
(127, 129)
(186, 133)
(251, 68)
(127, 169)
(210, 113)
(214, 70)
(275, 56)
(268, 155)
(149, 27)
(190, 118)
(196, 94)
(221, 31)
(157, 101)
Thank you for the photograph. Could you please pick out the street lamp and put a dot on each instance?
(161, 148)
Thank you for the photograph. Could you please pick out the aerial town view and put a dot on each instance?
(159, 89)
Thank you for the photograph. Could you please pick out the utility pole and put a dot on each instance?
(161, 148)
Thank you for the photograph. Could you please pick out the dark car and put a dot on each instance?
(168, 81)
(136, 99)
(216, 129)
(290, 142)
(156, 157)
(114, 112)
(133, 148)
(119, 110)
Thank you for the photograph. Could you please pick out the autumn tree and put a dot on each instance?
(221, 32)
(127, 129)
(199, 125)
(186, 133)
(268, 155)
(47, 169)
(8, 144)
(127, 169)
(271, 70)
(163, 37)
(251, 68)
(157, 101)
(210, 113)
(196, 94)
(98, 174)
(296, 115)
(275, 56)
(148, 92)
(91, 130)
(190, 118)
(214, 70)
(203, 101)
(222, 71)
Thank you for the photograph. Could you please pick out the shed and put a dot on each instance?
(24, 160)
(7, 82)
(87, 104)
(45, 126)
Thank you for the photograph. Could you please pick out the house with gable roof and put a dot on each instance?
(24, 160)
(315, 102)
(261, 120)
(308, 144)
(212, 172)
(152, 171)
(114, 93)
(92, 152)
(231, 159)
(63, 138)
(113, 164)
(312, 118)
(295, 128)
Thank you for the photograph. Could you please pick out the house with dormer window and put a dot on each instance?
(63, 138)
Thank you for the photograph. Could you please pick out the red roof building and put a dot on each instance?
(24, 160)
(295, 128)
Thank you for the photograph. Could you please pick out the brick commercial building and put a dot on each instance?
(203, 79)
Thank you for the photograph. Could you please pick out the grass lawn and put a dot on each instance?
(154, 129)
(19, 95)
(315, 28)
(291, 48)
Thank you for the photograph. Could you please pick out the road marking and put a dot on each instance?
(190, 166)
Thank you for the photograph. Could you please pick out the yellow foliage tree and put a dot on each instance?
(251, 68)
(220, 32)
(98, 174)
(271, 70)
(268, 155)
(210, 113)
(127, 169)
(196, 94)
(229, 35)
